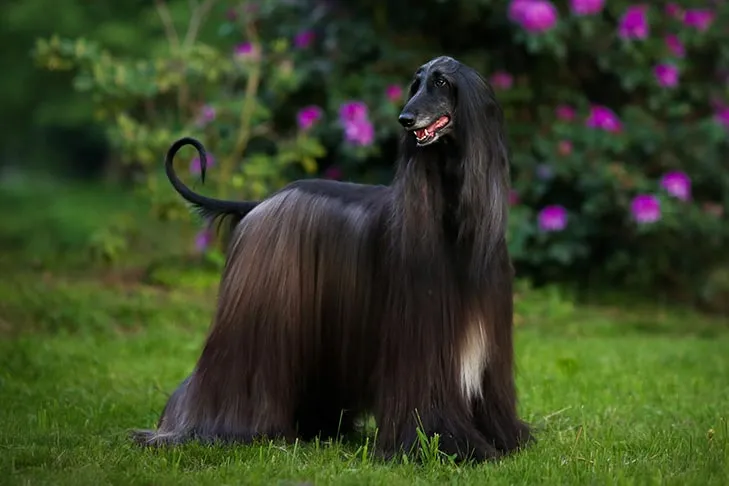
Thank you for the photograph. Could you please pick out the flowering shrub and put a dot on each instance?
(618, 115)
(227, 92)
(635, 142)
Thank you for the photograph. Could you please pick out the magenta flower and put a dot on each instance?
(540, 16)
(677, 184)
(634, 22)
(722, 115)
(565, 112)
(303, 39)
(564, 147)
(535, 16)
(393, 92)
(517, 9)
(586, 7)
(195, 167)
(552, 218)
(357, 127)
(333, 172)
(646, 208)
(206, 115)
(674, 10)
(603, 118)
(675, 46)
(698, 18)
(513, 197)
(353, 111)
(359, 132)
(244, 49)
(666, 74)
(502, 80)
(203, 240)
(308, 116)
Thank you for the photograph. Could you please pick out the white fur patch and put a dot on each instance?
(473, 360)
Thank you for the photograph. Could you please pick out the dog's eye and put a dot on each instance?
(440, 82)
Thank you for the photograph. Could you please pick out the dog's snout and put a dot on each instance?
(406, 119)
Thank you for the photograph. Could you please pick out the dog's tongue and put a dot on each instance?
(430, 129)
(440, 122)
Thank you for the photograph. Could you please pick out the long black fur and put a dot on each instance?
(341, 299)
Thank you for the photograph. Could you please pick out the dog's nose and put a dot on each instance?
(407, 120)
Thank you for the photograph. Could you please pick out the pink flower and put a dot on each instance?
(308, 116)
(675, 46)
(517, 9)
(603, 118)
(674, 10)
(564, 147)
(552, 218)
(303, 39)
(393, 92)
(513, 197)
(244, 49)
(353, 111)
(359, 132)
(540, 16)
(203, 240)
(534, 16)
(586, 7)
(698, 18)
(195, 167)
(565, 112)
(206, 115)
(646, 208)
(357, 128)
(677, 184)
(722, 115)
(502, 80)
(666, 74)
(333, 172)
(634, 22)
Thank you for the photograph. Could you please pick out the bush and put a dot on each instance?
(617, 115)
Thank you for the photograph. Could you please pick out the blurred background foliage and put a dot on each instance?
(617, 113)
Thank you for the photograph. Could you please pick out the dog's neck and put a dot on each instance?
(434, 207)
(426, 197)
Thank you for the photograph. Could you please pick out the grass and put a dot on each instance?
(619, 395)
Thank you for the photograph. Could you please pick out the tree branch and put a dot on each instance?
(244, 131)
(199, 13)
(169, 26)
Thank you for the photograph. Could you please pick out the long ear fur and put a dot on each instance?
(483, 202)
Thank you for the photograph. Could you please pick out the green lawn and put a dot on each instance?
(628, 395)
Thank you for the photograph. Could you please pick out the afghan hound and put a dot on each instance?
(341, 299)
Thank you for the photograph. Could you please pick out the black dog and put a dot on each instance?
(340, 299)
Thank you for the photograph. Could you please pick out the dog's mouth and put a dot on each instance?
(431, 132)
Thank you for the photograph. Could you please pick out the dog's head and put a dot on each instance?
(429, 111)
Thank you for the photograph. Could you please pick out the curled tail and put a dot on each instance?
(210, 209)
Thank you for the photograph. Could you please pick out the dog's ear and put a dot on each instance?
(481, 138)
